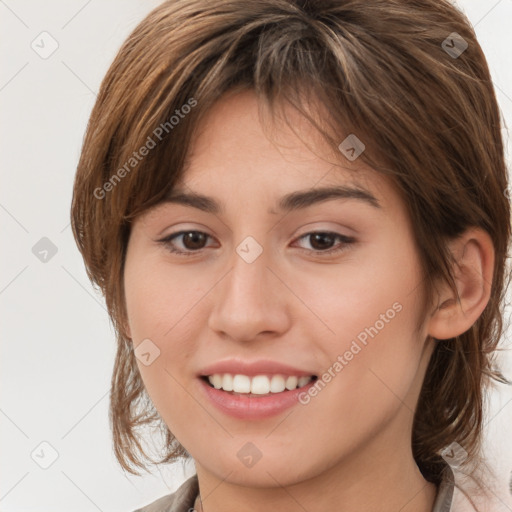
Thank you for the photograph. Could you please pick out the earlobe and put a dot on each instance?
(473, 270)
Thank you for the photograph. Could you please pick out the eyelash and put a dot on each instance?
(346, 241)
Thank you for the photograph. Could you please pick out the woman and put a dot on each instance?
(297, 213)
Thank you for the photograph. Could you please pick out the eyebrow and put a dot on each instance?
(293, 201)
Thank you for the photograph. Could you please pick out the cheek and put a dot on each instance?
(162, 306)
(371, 308)
(160, 298)
(366, 290)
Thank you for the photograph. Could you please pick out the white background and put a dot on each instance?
(57, 343)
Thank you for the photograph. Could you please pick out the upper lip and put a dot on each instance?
(253, 368)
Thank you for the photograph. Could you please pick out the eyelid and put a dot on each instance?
(167, 240)
(183, 226)
(345, 240)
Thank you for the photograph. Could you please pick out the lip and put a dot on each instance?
(253, 368)
(252, 407)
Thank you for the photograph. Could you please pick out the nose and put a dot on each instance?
(250, 301)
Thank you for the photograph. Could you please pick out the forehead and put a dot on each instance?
(238, 138)
(240, 159)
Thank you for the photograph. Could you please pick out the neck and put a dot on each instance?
(358, 484)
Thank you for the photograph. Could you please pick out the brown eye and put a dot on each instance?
(324, 242)
(321, 241)
(194, 239)
(191, 242)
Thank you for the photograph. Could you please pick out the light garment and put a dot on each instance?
(183, 499)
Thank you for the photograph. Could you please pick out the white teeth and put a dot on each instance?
(241, 384)
(260, 385)
(257, 385)
(277, 384)
(227, 382)
(291, 382)
(303, 381)
(216, 381)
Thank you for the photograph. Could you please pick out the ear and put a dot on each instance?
(473, 271)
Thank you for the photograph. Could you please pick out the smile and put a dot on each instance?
(254, 398)
(258, 384)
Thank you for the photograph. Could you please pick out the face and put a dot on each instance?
(274, 328)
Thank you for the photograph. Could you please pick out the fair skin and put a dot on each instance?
(349, 447)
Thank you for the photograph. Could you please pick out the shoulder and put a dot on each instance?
(179, 501)
(444, 499)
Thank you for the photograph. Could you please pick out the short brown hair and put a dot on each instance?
(429, 120)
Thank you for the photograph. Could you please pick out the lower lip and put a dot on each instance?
(253, 406)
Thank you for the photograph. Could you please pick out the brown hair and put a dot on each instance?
(429, 120)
